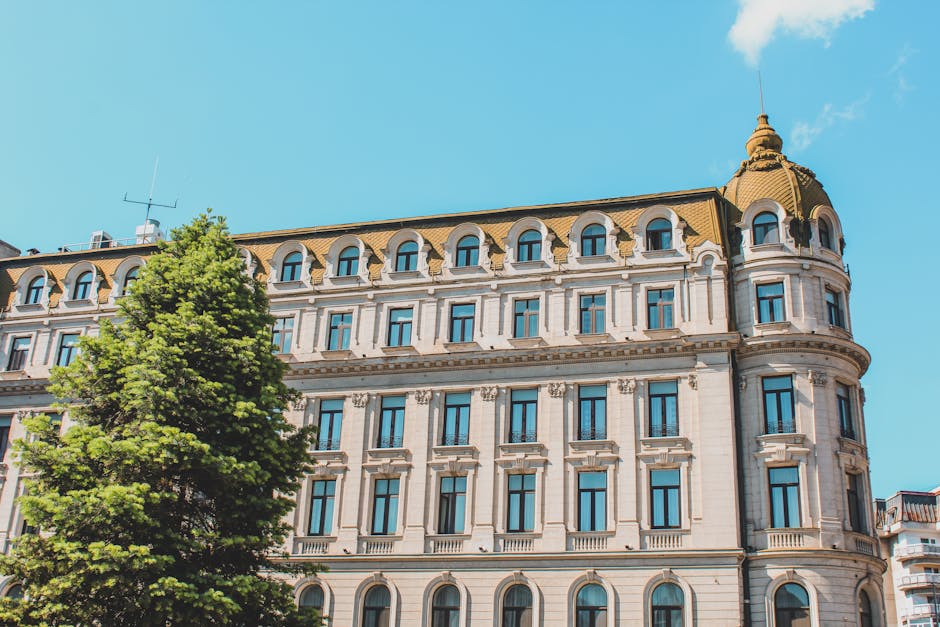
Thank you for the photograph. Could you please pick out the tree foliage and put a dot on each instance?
(165, 503)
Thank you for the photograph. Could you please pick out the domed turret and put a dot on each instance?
(767, 173)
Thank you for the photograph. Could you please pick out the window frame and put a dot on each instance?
(661, 400)
(760, 232)
(72, 348)
(283, 337)
(392, 417)
(597, 506)
(844, 411)
(455, 428)
(668, 610)
(327, 505)
(294, 268)
(661, 307)
(775, 303)
(516, 615)
(525, 496)
(529, 250)
(597, 429)
(666, 491)
(592, 308)
(777, 395)
(593, 244)
(464, 336)
(83, 284)
(445, 615)
(855, 495)
(529, 411)
(657, 237)
(784, 616)
(19, 357)
(34, 293)
(407, 260)
(388, 526)
(465, 255)
(527, 317)
(451, 503)
(399, 332)
(348, 265)
(591, 615)
(835, 312)
(334, 424)
(372, 615)
(789, 490)
(339, 329)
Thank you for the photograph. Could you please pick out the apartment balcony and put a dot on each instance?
(921, 611)
(446, 543)
(663, 539)
(790, 538)
(906, 552)
(311, 545)
(378, 545)
(518, 542)
(861, 543)
(920, 580)
(589, 541)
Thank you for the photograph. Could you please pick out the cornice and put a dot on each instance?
(23, 386)
(806, 343)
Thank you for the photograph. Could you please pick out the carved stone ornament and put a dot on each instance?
(861, 395)
(360, 399)
(693, 381)
(489, 392)
(626, 386)
(818, 378)
(423, 396)
(742, 383)
(557, 389)
(301, 403)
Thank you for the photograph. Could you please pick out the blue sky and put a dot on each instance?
(291, 114)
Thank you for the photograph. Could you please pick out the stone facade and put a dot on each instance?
(640, 410)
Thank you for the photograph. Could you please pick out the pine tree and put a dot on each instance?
(164, 504)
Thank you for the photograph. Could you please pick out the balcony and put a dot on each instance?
(790, 539)
(592, 434)
(664, 430)
(311, 545)
(862, 543)
(445, 544)
(781, 426)
(389, 441)
(663, 539)
(455, 439)
(377, 545)
(905, 552)
(516, 542)
(587, 541)
(523, 437)
(921, 580)
(923, 610)
(326, 444)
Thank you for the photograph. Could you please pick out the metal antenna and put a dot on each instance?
(760, 88)
(149, 202)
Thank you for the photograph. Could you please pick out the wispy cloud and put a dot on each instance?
(805, 133)
(758, 21)
(901, 84)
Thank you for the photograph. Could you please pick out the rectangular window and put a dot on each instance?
(5, 423)
(19, 351)
(321, 507)
(283, 333)
(399, 327)
(456, 419)
(659, 309)
(834, 309)
(385, 507)
(856, 499)
(391, 422)
(330, 424)
(844, 404)
(784, 497)
(452, 506)
(521, 510)
(526, 318)
(592, 412)
(664, 415)
(340, 329)
(778, 404)
(461, 322)
(770, 302)
(593, 307)
(68, 348)
(522, 420)
(592, 501)
(664, 498)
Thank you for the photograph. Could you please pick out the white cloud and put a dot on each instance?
(805, 133)
(758, 20)
(902, 85)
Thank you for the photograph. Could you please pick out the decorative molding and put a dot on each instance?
(861, 395)
(626, 386)
(301, 404)
(818, 377)
(693, 381)
(423, 396)
(489, 393)
(556, 389)
(742, 382)
(360, 399)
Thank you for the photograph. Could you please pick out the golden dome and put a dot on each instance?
(767, 173)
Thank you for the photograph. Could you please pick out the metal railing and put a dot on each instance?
(519, 437)
(781, 426)
(389, 441)
(455, 439)
(592, 434)
(326, 444)
(664, 430)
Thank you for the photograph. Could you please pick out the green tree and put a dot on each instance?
(164, 505)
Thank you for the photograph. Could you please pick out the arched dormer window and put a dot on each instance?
(348, 263)
(667, 605)
(467, 253)
(445, 608)
(14, 592)
(593, 241)
(34, 291)
(290, 267)
(529, 247)
(82, 288)
(791, 606)
(591, 606)
(825, 234)
(312, 596)
(517, 607)
(865, 614)
(766, 229)
(376, 607)
(129, 278)
(406, 257)
(659, 235)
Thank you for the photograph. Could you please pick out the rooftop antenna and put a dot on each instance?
(149, 202)
(760, 88)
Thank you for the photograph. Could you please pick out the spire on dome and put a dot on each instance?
(763, 139)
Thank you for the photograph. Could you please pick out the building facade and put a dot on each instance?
(640, 411)
(908, 524)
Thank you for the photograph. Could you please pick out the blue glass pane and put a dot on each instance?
(592, 595)
(668, 594)
(393, 401)
(664, 477)
(777, 383)
(664, 387)
(592, 480)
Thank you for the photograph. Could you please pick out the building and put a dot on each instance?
(639, 410)
(909, 527)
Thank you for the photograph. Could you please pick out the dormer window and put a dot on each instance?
(659, 235)
(530, 246)
(406, 260)
(468, 251)
(766, 229)
(82, 289)
(593, 239)
(290, 268)
(34, 290)
(129, 278)
(825, 234)
(348, 262)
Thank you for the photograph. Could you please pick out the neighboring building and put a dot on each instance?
(909, 528)
(641, 410)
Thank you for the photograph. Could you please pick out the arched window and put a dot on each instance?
(766, 229)
(791, 606)
(468, 251)
(865, 615)
(530, 246)
(348, 262)
(312, 596)
(129, 278)
(34, 290)
(445, 609)
(290, 267)
(593, 240)
(376, 608)
(82, 289)
(825, 234)
(406, 260)
(517, 606)
(591, 606)
(667, 605)
(14, 592)
(659, 234)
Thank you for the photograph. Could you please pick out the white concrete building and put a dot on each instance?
(909, 528)
(633, 411)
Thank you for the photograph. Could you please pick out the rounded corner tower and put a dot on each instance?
(808, 533)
